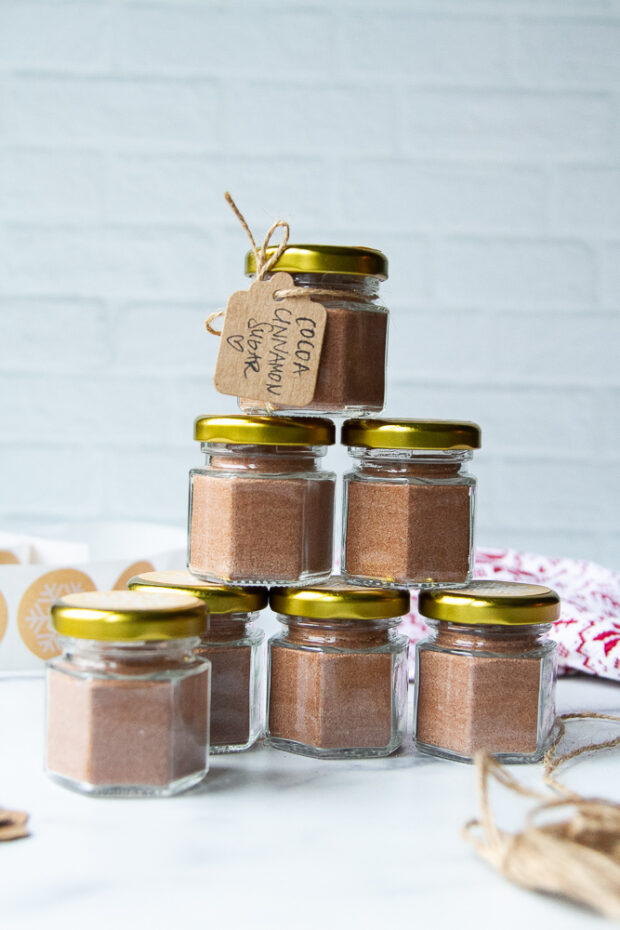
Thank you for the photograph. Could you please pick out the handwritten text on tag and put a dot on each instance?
(270, 348)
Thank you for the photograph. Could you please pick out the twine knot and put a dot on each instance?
(264, 266)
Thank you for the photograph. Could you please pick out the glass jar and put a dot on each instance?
(351, 377)
(485, 677)
(261, 510)
(408, 512)
(128, 699)
(233, 643)
(338, 671)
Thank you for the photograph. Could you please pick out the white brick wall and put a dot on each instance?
(475, 141)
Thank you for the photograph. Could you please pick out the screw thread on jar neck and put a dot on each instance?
(224, 628)
(129, 658)
(348, 634)
(412, 462)
(258, 458)
(489, 638)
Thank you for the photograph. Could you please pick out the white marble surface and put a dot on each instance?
(269, 841)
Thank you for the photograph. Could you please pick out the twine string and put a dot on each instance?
(13, 825)
(264, 266)
(552, 761)
(577, 857)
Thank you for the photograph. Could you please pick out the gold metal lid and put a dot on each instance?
(410, 434)
(118, 616)
(220, 600)
(337, 600)
(325, 259)
(266, 431)
(500, 603)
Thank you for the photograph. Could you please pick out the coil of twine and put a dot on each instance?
(577, 857)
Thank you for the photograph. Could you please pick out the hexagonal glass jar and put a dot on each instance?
(408, 511)
(234, 644)
(485, 676)
(352, 364)
(128, 698)
(261, 509)
(338, 671)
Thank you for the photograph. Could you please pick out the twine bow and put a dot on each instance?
(264, 266)
(577, 857)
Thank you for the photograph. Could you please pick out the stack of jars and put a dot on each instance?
(261, 530)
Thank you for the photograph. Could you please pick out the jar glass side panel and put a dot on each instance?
(127, 735)
(351, 376)
(251, 529)
(402, 530)
(501, 702)
(337, 703)
(237, 692)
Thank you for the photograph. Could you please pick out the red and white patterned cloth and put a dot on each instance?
(588, 631)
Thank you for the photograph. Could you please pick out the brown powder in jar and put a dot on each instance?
(331, 700)
(352, 364)
(352, 367)
(231, 667)
(115, 732)
(408, 533)
(471, 702)
(265, 529)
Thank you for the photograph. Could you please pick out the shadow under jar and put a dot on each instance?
(261, 510)
(408, 512)
(128, 699)
(338, 671)
(233, 643)
(351, 375)
(485, 677)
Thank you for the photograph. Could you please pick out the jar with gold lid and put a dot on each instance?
(261, 507)
(128, 698)
(485, 676)
(338, 671)
(408, 513)
(233, 643)
(346, 281)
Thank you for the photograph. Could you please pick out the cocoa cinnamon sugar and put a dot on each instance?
(262, 530)
(231, 693)
(118, 733)
(496, 708)
(352, 369)
(352, 365)
(338, 685)
(331, 701)
(408, 533)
